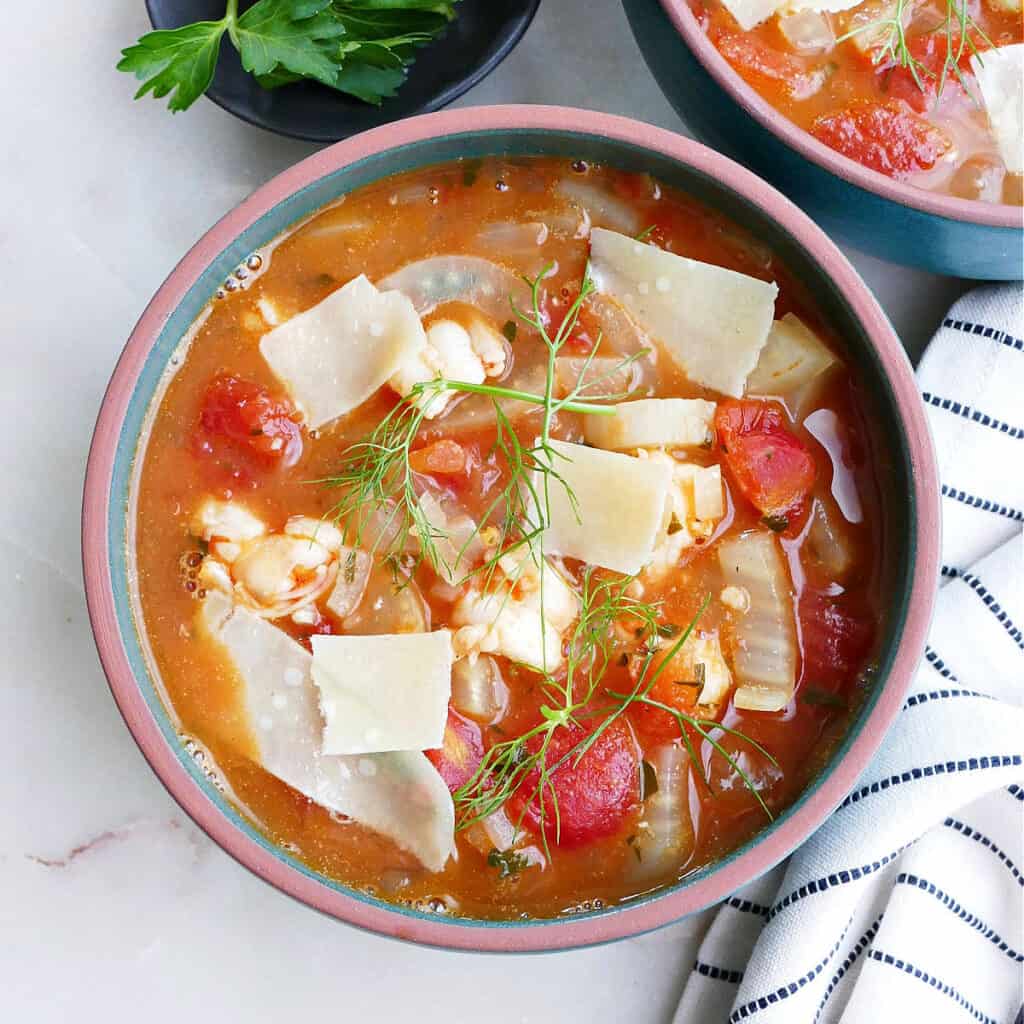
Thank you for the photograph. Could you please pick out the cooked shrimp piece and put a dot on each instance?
(455, 353)
(506, 617)
(692, 510)
(273, 574)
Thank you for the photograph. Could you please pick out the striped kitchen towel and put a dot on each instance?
(906, 906)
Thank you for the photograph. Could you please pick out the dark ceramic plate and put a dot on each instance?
(477, 41)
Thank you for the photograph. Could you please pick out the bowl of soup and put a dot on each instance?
(511, 537)
(898, 132)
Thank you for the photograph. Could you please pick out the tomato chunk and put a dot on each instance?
(458, 759)
(834, 638)
(773, 468)
(442, 458)
(593, 797)
(760, 64)
(929, 51)
(887, 137)
(245, 429)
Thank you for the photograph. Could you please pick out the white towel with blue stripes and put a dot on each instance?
(906, 906)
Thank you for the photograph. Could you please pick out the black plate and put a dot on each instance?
(477, 41)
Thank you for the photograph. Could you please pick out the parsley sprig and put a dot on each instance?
(359, 47)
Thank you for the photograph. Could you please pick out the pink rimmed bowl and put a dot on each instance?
(875, 213)
(902, 450)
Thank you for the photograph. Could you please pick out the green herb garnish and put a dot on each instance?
(894, 48)
(359, 47)
(507, 862)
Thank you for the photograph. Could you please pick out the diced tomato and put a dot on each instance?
(593, 797)
(442, 458)
(463, 750)
(887, 137)
(675, 687)
(246, 429)
(659, 725)
(929, 51)
(772, 467)
(834, 638)
(759, 64)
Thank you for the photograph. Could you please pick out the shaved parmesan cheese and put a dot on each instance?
(765, 654)
(750, 13)
(383, 693)
(620, 502)
(336, 355)
(792, 358)
(713, 322)
(652, 423)
(1000, 75)
(401, 795)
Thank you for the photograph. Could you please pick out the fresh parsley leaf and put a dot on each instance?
(296, 36)
(179, 62)
(360, 47)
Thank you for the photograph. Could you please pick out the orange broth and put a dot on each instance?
(375, 230)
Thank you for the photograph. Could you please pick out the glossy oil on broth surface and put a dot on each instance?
(524, 215)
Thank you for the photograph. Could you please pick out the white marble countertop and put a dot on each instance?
(114, 906)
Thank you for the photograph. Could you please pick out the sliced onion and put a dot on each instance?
(456, 537)
(353, 575)
(666, 843)
(602, 377)
(828, 542)
(470, 279)
(604, 209)
(519, 242)
(389, 606)
(478, 690)
(808, 32)
(765, 656)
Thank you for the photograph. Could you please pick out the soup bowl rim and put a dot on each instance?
(260, 855)
(972, 211)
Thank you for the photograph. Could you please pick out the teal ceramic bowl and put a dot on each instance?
(903, 457)
(853, 203)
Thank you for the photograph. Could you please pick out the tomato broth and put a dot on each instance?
(655, 797)
(912, 110)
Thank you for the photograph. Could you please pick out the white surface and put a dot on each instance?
(113, 905)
